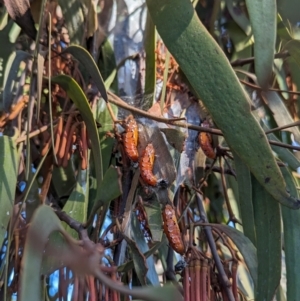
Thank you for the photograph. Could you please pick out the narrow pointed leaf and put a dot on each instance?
(219, 89)
(72, 11)
(11, 75)
(8, 179)
(44, 222)
(77, 204)
(150, 45)
(291, 234)
(89, 64)
(268, 242)
(284, 154)
(281, 113)
(77, 95)
(245, 198)
(155, 222)
(263, 19)
(239, 16)
(109, 189)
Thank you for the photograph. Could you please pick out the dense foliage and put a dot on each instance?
(149, 149)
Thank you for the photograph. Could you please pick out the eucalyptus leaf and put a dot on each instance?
(239, 16)
(9, 161)
(90, 66)
(281, 113)
(154, 216)
(74, 19)
(291, 226)
(44, 222)
(112, 180)
(219, 89)
(13, 65)
(245, 198)
(150, 46)
(77, 204)
(75, 92)
(268, 242)
(263, 19)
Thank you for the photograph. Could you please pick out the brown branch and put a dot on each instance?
(119, 102)
(71, 222)
(284, 145)
(33, 133)
(242, 62)
(255, 87)
(296, 123)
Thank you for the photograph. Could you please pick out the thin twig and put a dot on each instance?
(119, 102)
(34, 133)
(210, 239)
(249, 60)
(253, 86)
(284, 145)
(279, 128)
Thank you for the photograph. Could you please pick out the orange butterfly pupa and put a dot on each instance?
(130, 138)
(205, 142)
(146, 165)
(172, 230)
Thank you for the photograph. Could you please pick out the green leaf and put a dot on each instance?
(72, 11)
(219, 89)
(10, 77)
(245, 246)
(55, 250)
(293, 49)
(284, 154)
(289, 10)
(77, 204)
(77, 95)
(175, 137)
(291, 226)
(150, 46)
(263, 18)
(282, 31)
(43, 223)
(214, 191)
(63, 180)
(239, 16)
(144, 267)
(243, 46)
(129, 265)
(281, 113)
(137, 246)
(107, 65)
(8, 180)
(243, 176)
(104, 118)
(6, 54)
(154, 216)
(112, 180)
(293, 63)
(268, 242)
(89, 64)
